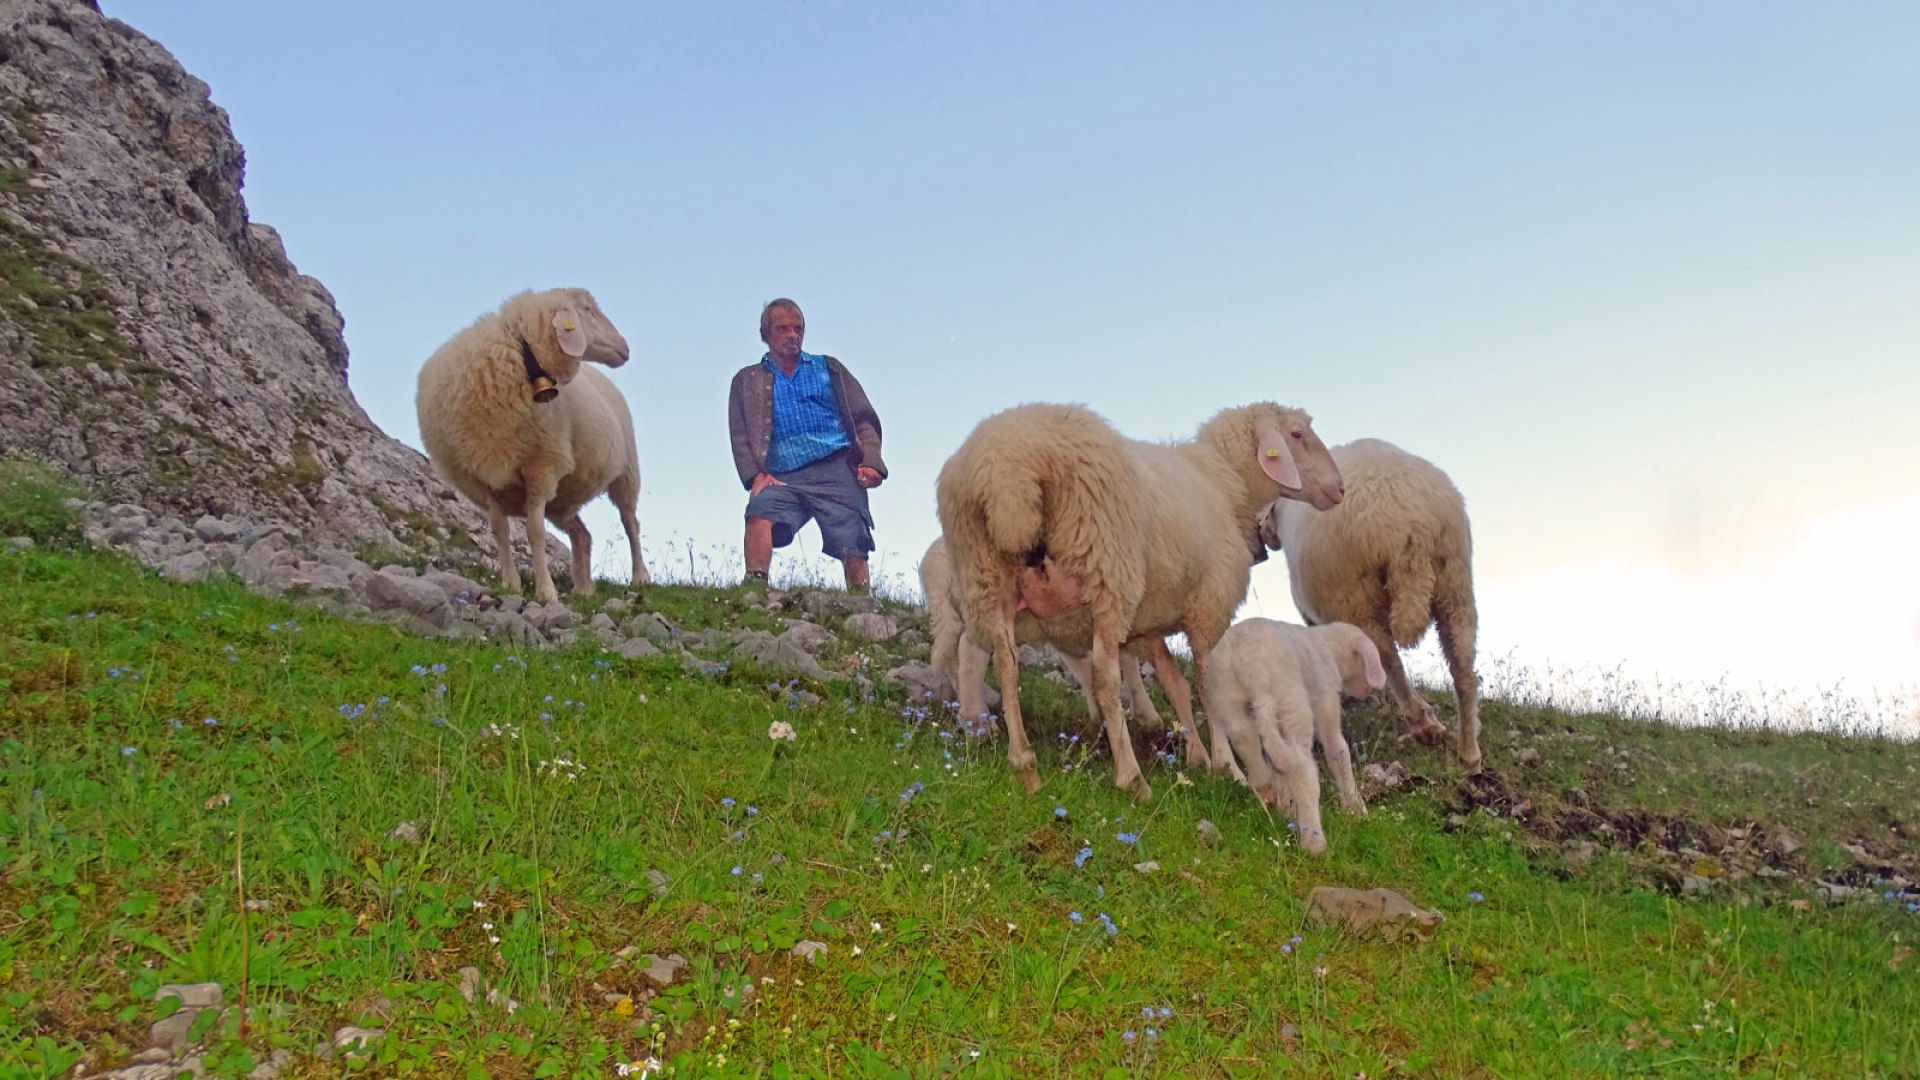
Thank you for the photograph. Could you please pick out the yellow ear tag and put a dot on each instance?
(1273, 453)
(568, 326)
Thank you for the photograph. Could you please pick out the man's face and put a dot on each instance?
(784, 333)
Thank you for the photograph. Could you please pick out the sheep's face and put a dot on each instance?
(582, 331)
(1293, 457)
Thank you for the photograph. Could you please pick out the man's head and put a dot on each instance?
(783, 327)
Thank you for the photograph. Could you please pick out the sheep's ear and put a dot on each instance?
(1369, 660)
(570, 332)
(1276, 458)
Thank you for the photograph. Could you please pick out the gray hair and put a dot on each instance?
(782, 304)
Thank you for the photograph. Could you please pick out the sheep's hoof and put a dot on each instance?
(1428, 732)
(1030, 779)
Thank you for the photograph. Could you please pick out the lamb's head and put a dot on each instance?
(1286, 451)
(1360, 670)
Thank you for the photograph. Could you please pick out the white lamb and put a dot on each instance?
(511, 418)
(1273, 688)
(961, 659)
(1049, 507)
(1394, 558)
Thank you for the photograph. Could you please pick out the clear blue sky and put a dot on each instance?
(1641, 277)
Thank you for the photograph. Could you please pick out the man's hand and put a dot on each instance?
(763, 481)
(867, 476)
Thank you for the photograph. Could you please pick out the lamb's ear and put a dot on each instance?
(1369, 660)
(1276, 458)
(569, 332)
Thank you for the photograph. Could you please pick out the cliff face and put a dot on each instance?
(155, 341)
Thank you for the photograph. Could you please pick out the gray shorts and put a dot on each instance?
(823, 490)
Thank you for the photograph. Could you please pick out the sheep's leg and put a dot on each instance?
(582, 543)
(1293, 760)
(625, 492)
(540, 489)
(1222, 751)
(1106, 693)
(1457, 631)
(1082, 668)
(1179, 694)
(1006, 661)
(1422, 724)
(1333, 742)
(970, 684)
(1233, 714)
(503, 543)
(1140, 704)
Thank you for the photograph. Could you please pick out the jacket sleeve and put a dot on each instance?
(740, 431)
(863, 423)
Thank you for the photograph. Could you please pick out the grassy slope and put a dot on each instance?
(125, 803)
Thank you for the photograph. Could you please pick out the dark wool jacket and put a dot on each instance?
(750, 419)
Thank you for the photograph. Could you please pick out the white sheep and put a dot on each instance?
(1049, 507)
(961, 659)
(1394, 558)
(1273, 688)
(511, 418)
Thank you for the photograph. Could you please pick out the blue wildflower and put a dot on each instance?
(1475, 897)
(1081, 859)
(1128, 837)
(1074, 916)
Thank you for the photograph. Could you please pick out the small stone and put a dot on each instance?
(470, 984)
(1209, 833)
(1695, 885)
(1390, 775)
(659, 882)
(637, 648)
(1147, 867)
(151, 1056)
(1786, 842)
(1526, 755)
(662, 969)
(357, 1040)
(502, 1001)
(192, 995)
(807, 950)
(173, 1031)
(214, 530)
(1371, 910)
(406, 832)
(871, 626)
(1580, 852)
(20, 543)
(1289, 1032)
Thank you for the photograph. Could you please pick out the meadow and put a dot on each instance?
(331, 820)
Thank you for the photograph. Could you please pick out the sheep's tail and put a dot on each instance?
(1016, 517)
(1411, 580)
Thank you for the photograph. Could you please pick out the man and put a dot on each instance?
(806, 443)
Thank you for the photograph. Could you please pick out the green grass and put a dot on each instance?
(156, 738)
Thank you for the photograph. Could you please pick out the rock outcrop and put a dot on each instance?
(153, 340)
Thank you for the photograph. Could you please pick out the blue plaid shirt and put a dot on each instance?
(806, 417)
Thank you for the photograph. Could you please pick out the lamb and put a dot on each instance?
(511, 419)
(957, 656)
(1396, 557)
(1049, 507)
(1275, 687)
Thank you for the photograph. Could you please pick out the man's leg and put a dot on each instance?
(759, 545)
(856, 567)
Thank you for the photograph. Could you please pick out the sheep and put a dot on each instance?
(512, 420)
(1273, 688)
(1049, 507)
(1394, 558)
(957, 656)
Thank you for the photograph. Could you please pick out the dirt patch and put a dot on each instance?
(1673, 847)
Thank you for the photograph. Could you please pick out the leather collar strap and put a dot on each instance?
(544, 388)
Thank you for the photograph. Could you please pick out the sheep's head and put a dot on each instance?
(1292, 456)
(581, 331)
(1361, 672)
